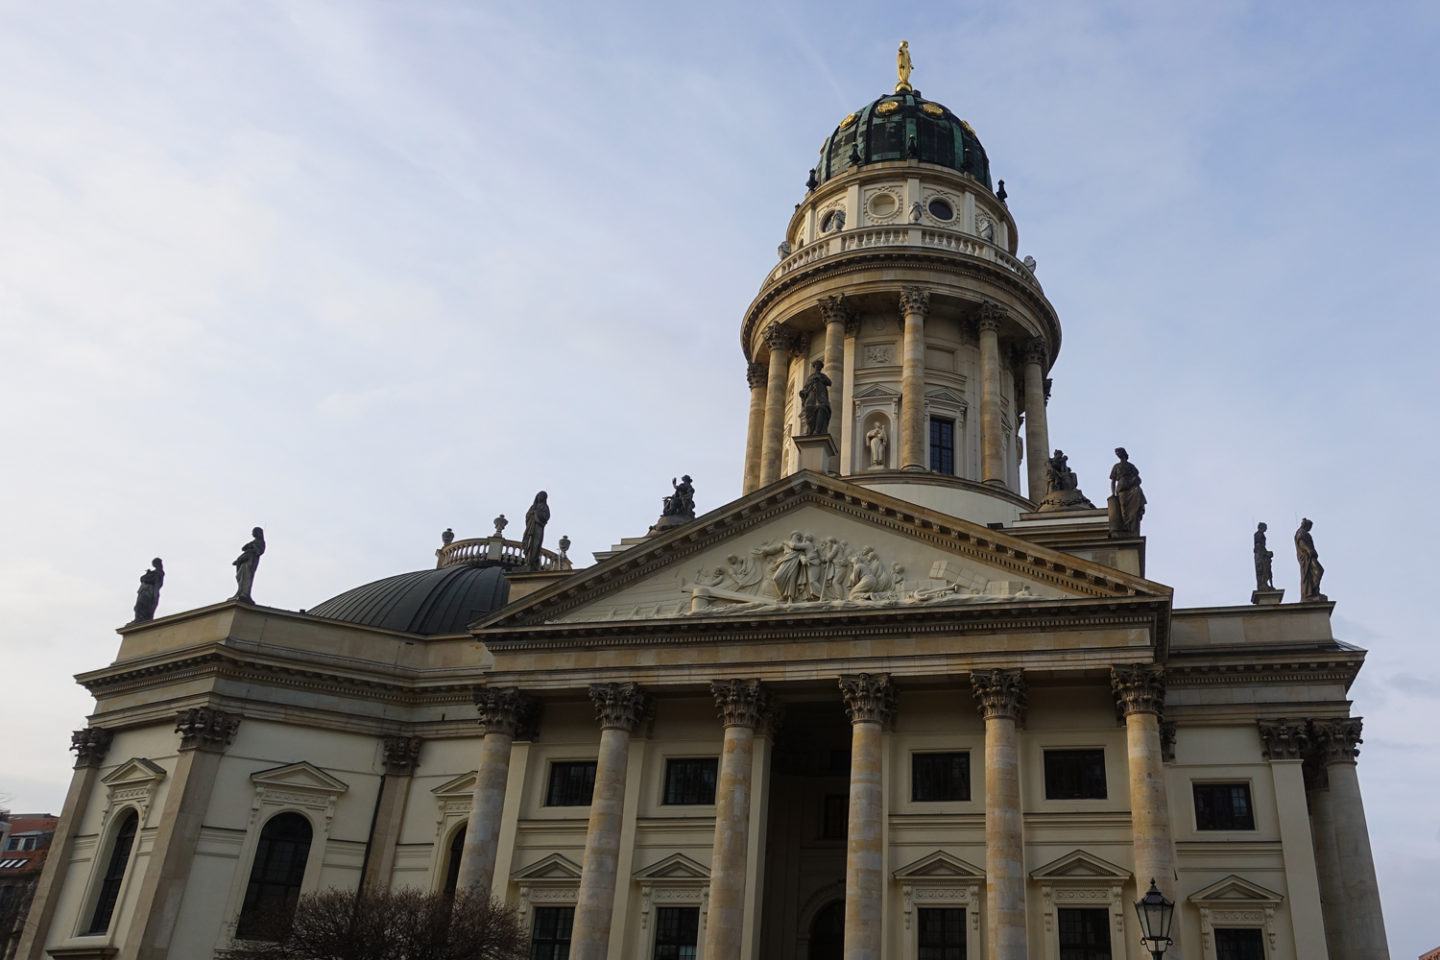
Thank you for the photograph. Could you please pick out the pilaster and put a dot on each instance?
(400, 756)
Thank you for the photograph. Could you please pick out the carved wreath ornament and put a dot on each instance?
(807, 572)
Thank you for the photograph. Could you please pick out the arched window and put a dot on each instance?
(452, 865)
(827, 932)
(120, 851)
(276, 875)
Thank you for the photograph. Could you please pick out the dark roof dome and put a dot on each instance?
(901, 126)
(427, 602)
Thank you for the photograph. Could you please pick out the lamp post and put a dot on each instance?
(1156, 914)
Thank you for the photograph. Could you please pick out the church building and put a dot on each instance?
(910, 697)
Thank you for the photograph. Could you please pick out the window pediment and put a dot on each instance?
(941, 867)
(1081, 867)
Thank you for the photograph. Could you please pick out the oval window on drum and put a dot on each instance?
(941, 209)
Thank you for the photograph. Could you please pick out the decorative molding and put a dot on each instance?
(507, 711)
(1000, 693)
(914, 300)
(869, 698)
(402, 755)
(741, 703)
(878, 355)
(133, 783)
(1138, 688)
(1080, 878)
(1284, 739)
(552, 880)
(676, 880)
(942, 879)
(90, 746)
(620, 706)
(1337, 740)
(1236, 902)
(205, 728)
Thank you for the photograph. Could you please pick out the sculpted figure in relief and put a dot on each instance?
(877, 441)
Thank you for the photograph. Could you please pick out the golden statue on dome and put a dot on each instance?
(904, 66)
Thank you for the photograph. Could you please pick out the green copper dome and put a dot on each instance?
(901, 126)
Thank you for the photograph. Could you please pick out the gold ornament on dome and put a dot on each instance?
(848, 120)
(889, 106)
(903, 66)
(968, 129)
(934, 109)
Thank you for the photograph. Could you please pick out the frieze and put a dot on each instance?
(956, 895)
(1082, 894)
(1237, 916)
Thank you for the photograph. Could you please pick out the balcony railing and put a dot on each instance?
(510, 554)
(912, 236)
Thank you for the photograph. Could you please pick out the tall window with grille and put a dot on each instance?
(677, 933)
(690, 780)
(452, 862)
(550, 936)
(571, 783)
(936, 777)
(1239, 943)
(120, 849)
(1084, 933)
(277, 873)
(942, 933)
(1223, 806)
(1075, 775)
(942, 445)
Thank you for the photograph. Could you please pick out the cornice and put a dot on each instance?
(934, 261)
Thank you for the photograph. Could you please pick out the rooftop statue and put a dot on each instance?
(1264, 575)
(147, 598)
(535, 519)
(903, 66)
(682, 502)
(1063, 487)
(246, 565)
(1310, 569)
(447, 536)
(500, 524)
(815, 396)
(1127, 500)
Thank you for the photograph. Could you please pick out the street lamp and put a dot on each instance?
(1155, 913)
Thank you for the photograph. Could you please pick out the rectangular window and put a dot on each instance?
(1074, 774)
(942, 445)
(1239, 944)
(571, 783)
(677, 933)
(1084, 933)
(690, 781)
(939, 776)
(942, 934)
(550, 937)
(1223, 806)
(836, 824)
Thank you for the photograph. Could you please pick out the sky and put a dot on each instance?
(357, 272)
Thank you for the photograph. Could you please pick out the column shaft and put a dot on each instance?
(1364, 923)
(870, 703)
(835, 370)
(1327, 869)
(596, 899)
(1037, 431)
(725, 920)
(773, 444)
(914, 305)
(755, 431)
(482, 833)
(1004, 842)
(992, 443)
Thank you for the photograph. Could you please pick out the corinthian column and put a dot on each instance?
(992, 441)
(1364, 936)
(620, 708)
(870, 704)
(1327, 858)
(755, 375)
(501, 712)
(1285, 743)
(837, 315)
(914, 305)
(1001, 698)
(1140, 694)
(781, 340)
(1037, 432)
(743, 705)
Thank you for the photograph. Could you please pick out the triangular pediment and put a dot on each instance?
(1235, 889)
(876, 391)
(675, 868)
(461, 786)
(1079, 865)
(134, 771)
(815, 544)
(299, 776)
(946, 396)
(939, 866)
(554, 868)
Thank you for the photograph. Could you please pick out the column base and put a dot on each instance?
(1265, 597)
(818, 453)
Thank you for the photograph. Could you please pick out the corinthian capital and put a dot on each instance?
(914, 300)
(1284, 739)
(90, 746)
(756, 374)
(205, 728)
(836, 310)
(619, 706)
(999, 693)
(869, 697)
(1139, 688)
(505, 710)
(778, 336)
(741, 703)
(1034, 352)
(1337, 739)
(990, 316)
(402, 755)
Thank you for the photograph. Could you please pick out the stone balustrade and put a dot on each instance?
(510, 554)
(902, 235)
